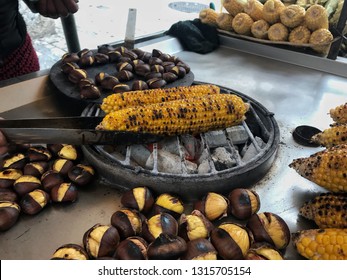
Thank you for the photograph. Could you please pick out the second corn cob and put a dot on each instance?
(191, 115)
(327, 168)
(321, 244)
(334, 135)
(123, 100)
(339, 113)
(326, 210)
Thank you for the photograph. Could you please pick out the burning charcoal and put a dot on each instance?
(203, 156)
(204, 167)
(140, 154)
(216, 138)
(237, 134)
(250, 151)
(171, 145)
(192, 145)
(223, 159)
(170, 163)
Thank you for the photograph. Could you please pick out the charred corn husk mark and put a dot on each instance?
(321, 244)
(332, 136)
(327, 168)
(123, 100)
(191, 115)
(327, 210)
(339, 114)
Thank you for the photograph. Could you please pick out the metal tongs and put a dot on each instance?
(69, 130)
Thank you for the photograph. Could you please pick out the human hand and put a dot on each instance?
(57, 8)
(3, 144)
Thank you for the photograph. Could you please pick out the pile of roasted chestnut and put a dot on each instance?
(134, 69)
(162, 227)
(33, 177)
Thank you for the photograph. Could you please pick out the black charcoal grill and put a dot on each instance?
(117, 165)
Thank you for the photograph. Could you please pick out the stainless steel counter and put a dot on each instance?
(296, 91)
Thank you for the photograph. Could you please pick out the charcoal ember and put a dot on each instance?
(222, 158)
(250, 151)
(140, 154)
(237, 134)
(192, 145)
(170, 163)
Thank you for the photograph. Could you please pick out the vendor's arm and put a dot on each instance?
(57, 8)
(3, 144)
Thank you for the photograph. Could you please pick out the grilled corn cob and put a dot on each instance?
(299, 35)
(254, 9)
(316, 17)
(321, 39)
(327, 210)
(208, 16)
(278, 32)
(321, 244)
(272, 10)
(339, 113)
(224, 21)
(123, 100)
(242, 24)
(327, 168)
(259, 29)
(292, 15)
(233, 7)
(191, 115)
(334, 135)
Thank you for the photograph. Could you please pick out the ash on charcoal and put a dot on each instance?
(171, 145)
(250, 151)
(140, 154)
(204, 167)
(237, 134)
(216, 138)
(170, 163)
(223, 159)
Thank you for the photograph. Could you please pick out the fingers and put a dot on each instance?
(3, 144)
(57, 8)
(71, 5)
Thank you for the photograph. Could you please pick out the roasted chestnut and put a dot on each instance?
(157, 68)
(105, 48)
(156, 53)
(101, 241)
(271, 228)
(100, 76)
(114, 56)
(14, 161)
(9, 214)
(69, 152)
(125, 75)
(90, 92)
(33, 202)
(213, 206)
(120, 88)
(36, 168)
(243, 203)
(200, 249)
(86, 61)
(132, 248)
(108, 82)
(38, 153)
(263, 251)
(166, 247)
(75, 75)
(169, 77)
(81, 174)
(85, 52)
(168, 203)
(8, 195)
(66, 68)
(231, 240)
(124, 66)
(70, 252)
(139, 85)
(139, 198)
(152, 75)
(179, 71)
(184, 65)
(65, 192)
(128, 222)
(51, 179)
(142, 69)
(157, 224)
(62, 165)
(85, 82)
(25, 184)
(194, 226)
(101, 58)
(70, 57)
(55, 148)
(9, 176)
(156, 83)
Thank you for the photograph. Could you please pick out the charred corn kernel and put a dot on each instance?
(292, 15)
(321, 40)
(327, 168)
(225, 21)
(278, 32)
(316, 17)
(123, 100)
(242, 24)
(191, 115)
(260, 28)
(233, 7)
(254, 9)
(272, 10)
(332, 136)
(339, 114)
(299, 35)
(208, 16)
(321, 244)
(327, 210)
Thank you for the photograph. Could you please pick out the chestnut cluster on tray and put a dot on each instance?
(33, 177)
(146, 70)
(160, 227)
